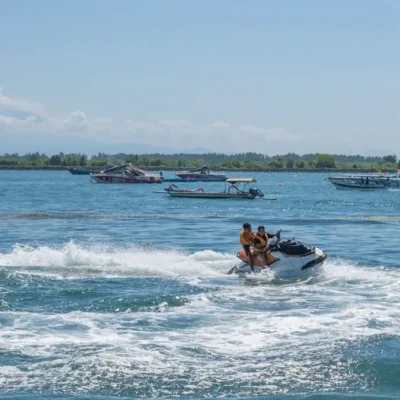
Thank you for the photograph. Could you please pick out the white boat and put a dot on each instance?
(231, 192)
(366, 181)
(125, 173)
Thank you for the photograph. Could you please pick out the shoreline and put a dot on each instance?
(300, 170)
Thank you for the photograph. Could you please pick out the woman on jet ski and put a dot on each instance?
(263, 236)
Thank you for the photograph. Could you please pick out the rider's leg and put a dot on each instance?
(249, 255)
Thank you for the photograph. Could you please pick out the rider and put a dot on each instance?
(263, 237)
(246, 239)
(259, 249)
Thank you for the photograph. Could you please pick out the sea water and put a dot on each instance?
(113, 291)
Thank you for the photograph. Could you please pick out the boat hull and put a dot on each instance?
(202, 177)
(83, 171)
(211, 195)
(124, 179)
(359, 182)
(358, 186)
(285, 266)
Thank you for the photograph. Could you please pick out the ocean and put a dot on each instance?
(114, 292)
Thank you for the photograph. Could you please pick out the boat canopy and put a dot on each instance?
(202, 170)
(240, 180)
(129, 168)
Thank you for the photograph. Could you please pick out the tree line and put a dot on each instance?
(256, 161)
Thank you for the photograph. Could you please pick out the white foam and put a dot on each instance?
(277, 334)
(73, 260)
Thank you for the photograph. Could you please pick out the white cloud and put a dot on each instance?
(132, 125)
(4, 120)
(221, 124)
(26, 106)
(77, 121)
(179, 134)
(11, 121)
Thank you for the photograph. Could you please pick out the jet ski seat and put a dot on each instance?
(293, 247)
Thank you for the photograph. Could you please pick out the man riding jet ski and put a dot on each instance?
(283, 257)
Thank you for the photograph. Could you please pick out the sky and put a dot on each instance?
(269, 76)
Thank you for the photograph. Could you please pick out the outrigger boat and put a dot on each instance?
(232, 192)
(125, 173)
(201, 174)
(366, 182)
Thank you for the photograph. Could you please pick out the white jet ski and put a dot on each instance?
(286, 258)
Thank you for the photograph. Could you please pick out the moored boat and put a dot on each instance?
(366, 181)
(200, 174)
(83, 171)
(231, 192)
(125, 173)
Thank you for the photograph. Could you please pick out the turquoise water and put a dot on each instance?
(112, 291)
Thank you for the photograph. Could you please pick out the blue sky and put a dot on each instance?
(267, 76)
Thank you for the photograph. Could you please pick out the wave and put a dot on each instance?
(294, 334)
(90, 260)
(302, 334)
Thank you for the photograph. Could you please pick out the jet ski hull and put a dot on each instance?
(282, 264)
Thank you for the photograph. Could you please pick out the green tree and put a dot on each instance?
(311, 164)
(254, 165)
(157, 162)
(276, 163)
(132, 158)
(227, 164)
(290, 163)
(55, 160)
(70, 161)
(325, 161)
(300, 164)
(390, 158)
(145, 161)
(83, 161)
(237, 164)
(181, 164)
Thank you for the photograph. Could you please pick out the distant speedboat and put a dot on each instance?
(201, 174)
(86, 170)
(125, 173)
(83, 171)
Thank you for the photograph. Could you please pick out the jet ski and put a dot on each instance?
(286, 258)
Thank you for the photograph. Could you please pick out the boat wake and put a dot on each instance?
(73, 260)
(298, 335)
